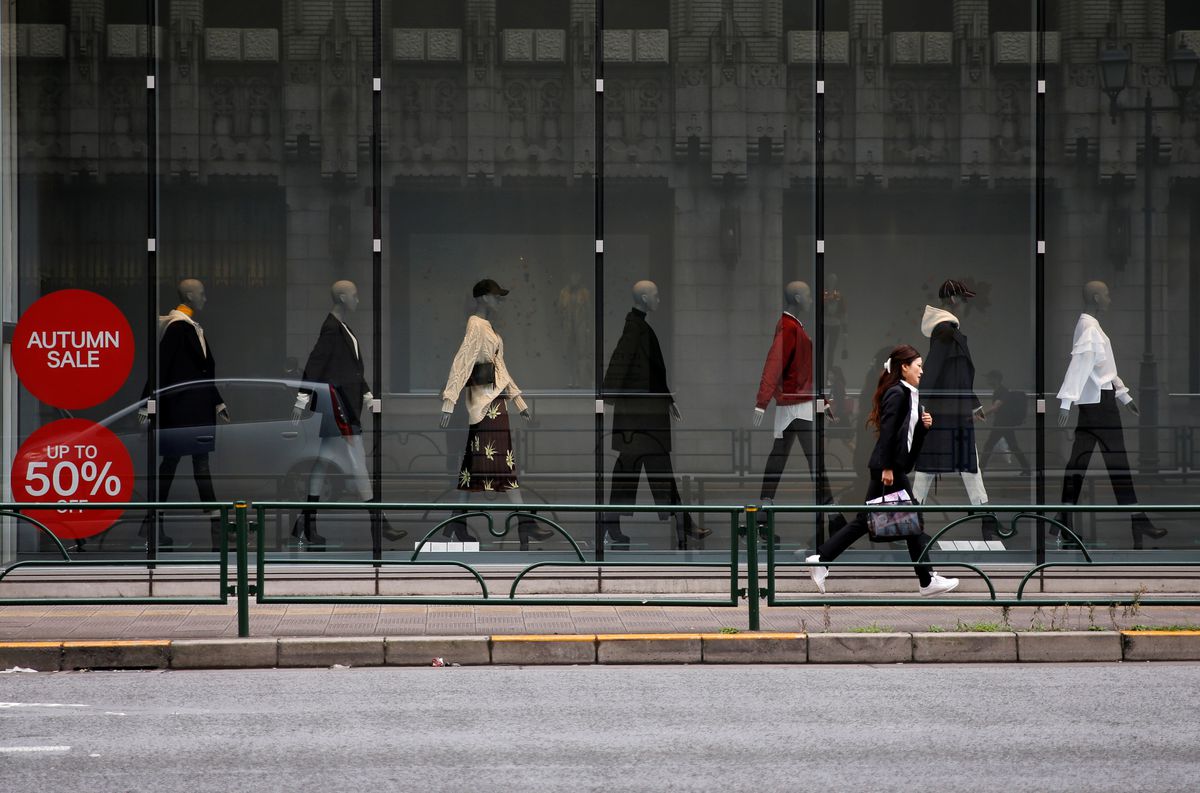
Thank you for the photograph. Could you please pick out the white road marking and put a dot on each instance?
(4, 705)
(35, 748)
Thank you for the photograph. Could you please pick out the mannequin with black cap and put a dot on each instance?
(635, 383)
(1092, 383)
(948, 388)
(489, 463)
(337, 359)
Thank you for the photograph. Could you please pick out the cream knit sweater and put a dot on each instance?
(481, 344)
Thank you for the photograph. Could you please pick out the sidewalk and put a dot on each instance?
(73, 623)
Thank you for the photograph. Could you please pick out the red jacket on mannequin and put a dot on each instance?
(787, 374)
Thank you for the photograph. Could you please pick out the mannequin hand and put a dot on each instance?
(926, 420)
(758, 417)
(829, 415)
(1133, 408)
(887, 478)
(979, 415)
(223, 415)
(525, 414)
(675, 414)
(143, 416)
(445, 422)
(1064, 415)
(297, 414)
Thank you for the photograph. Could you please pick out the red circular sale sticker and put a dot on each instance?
(73, 349)
(73, 461)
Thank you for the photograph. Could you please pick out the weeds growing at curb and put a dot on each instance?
(1164, 628)
(730, 630)
(872, 628)
(827, 618)
(936, 629)
(1005, 616)
(977, 627)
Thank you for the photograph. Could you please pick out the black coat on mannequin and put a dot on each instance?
(187, 415)
(334, 361)
(948, 390)
(635, 383)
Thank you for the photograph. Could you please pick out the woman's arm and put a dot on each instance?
(892, 412)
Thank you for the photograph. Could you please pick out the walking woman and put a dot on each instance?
(894, 417)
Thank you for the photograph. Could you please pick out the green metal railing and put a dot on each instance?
(515, 513)
(238, 518)
(1029, 512)
(16, 511)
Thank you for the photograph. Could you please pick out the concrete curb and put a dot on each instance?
(1160, 645)
(678, 648)
(860, 648)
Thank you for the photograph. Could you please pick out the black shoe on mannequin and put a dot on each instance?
(305, 528)
(1142, 526)
(528, 529)
(457, 530)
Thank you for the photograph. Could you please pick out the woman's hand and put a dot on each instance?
(887, 478)
(926, 420)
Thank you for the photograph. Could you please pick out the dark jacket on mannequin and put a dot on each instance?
(891, 450)
(181, 359)
(948, 388)
(334, 361)
(635, 383)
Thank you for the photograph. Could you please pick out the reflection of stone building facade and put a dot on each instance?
(713, 114)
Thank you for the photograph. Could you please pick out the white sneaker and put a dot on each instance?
(817, 572)
(938, 585)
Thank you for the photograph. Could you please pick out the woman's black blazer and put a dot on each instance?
(890, 451)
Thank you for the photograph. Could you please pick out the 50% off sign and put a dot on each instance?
(73, 461)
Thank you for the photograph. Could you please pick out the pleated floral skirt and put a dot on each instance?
(488, 463)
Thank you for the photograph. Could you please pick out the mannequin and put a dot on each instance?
(787, 378)
(1092, 383)
(635, 383)
(489, 464)
(336, 359)
(948, 389)
(187, 415)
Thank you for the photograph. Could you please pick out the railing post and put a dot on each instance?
(243, 582)
(751, 514)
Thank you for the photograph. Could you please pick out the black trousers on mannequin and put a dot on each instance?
(202, 475)
(1099, 426)
(845, 536)
(661, 476)
(798, 431)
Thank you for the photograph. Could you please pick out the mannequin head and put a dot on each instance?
(191, 294)
(488, 296)
(831, 282)
(645, 296)
(344, 295)
(954, 294)
(1096, 298)
(797, 296)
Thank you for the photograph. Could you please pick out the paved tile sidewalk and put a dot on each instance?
(27, 623)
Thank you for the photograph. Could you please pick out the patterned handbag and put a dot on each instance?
(888, 526)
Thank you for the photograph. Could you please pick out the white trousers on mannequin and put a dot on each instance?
(350, 448)
(973, 482)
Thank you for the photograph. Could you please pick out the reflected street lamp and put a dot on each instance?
(1182, 66)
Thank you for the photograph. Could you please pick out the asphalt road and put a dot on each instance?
(931, 729)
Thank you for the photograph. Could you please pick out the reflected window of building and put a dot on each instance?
(546, 14)
(644, 14)
(128, 12)
(918, 15)
(1182, 15)
(1007, 16)
(43, 12)
(802, 14)
(240, 14)
(424, 14)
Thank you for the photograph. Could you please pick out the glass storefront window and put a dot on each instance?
(315, 212)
